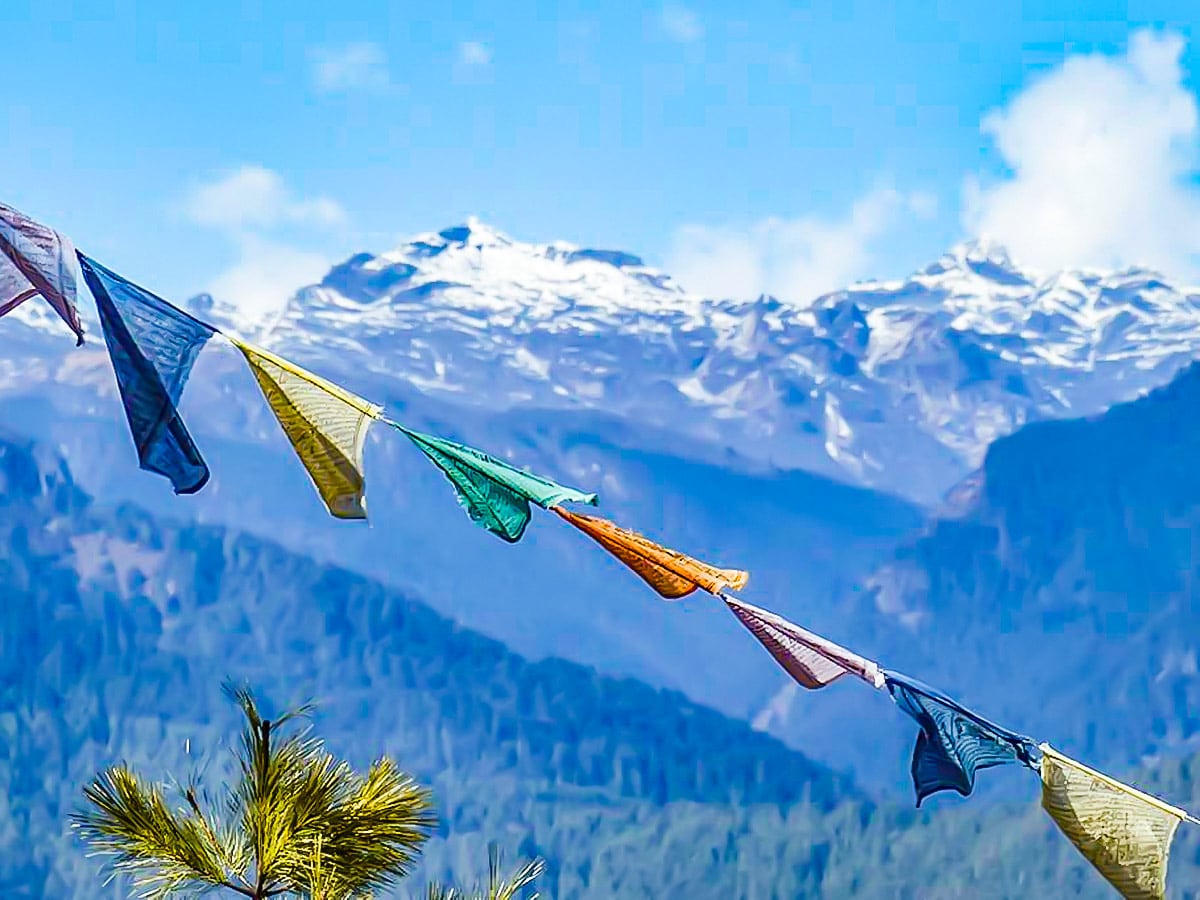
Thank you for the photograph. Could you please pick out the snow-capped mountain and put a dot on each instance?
(899, 385)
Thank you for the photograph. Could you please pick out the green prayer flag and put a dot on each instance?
(494, 493)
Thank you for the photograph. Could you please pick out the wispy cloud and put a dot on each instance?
(795, 259)
(681, 24)
(261, 216)
(474, 54)
(1102, 157)
(360, 66)
(254, 196)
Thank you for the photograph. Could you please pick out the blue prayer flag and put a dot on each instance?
(152, 346)
(954, 742)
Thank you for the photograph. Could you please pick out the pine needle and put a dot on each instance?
(297, 821)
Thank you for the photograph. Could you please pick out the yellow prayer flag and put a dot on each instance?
(326, 425)
(1124, 833)
(671, 574)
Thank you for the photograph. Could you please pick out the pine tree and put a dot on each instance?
(297, 822)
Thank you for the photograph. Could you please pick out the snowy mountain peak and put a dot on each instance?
(475, 237)
(474, 233)
(221, 313)
(982, 249)
(898, 384)
(983, 258)
(483, 278)
(915, 374)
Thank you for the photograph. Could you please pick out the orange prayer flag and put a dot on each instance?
(671, 574)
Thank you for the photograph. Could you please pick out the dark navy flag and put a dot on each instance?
(954, 742)
(152, 346)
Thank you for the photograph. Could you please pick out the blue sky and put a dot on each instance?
(782, 146)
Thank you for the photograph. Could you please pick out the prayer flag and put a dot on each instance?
(326, 425)
(495, 494)
(809, 658)
(671, 574)
(152, 346)
(953, 742)
(35, 260)
(1124, 833)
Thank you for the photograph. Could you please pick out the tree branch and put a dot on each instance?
(261, 881)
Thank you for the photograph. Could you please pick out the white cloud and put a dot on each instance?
(253, 196)
(1101, 151)
(266, 274)
(251, 207)
(681, 24)
(793, 259)
(361, 66)
(474, 53)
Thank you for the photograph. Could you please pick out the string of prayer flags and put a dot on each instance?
(953, 742)
(152, 346)
(36, 260)
(810, 659)
(325, 424)
(495, 494)
(671, 574)
(1124, 833)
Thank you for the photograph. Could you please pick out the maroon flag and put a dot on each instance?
(809, 658)
(36, 260)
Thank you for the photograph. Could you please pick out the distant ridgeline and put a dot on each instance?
(162, 604)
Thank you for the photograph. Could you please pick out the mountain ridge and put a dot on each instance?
(865, 385)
